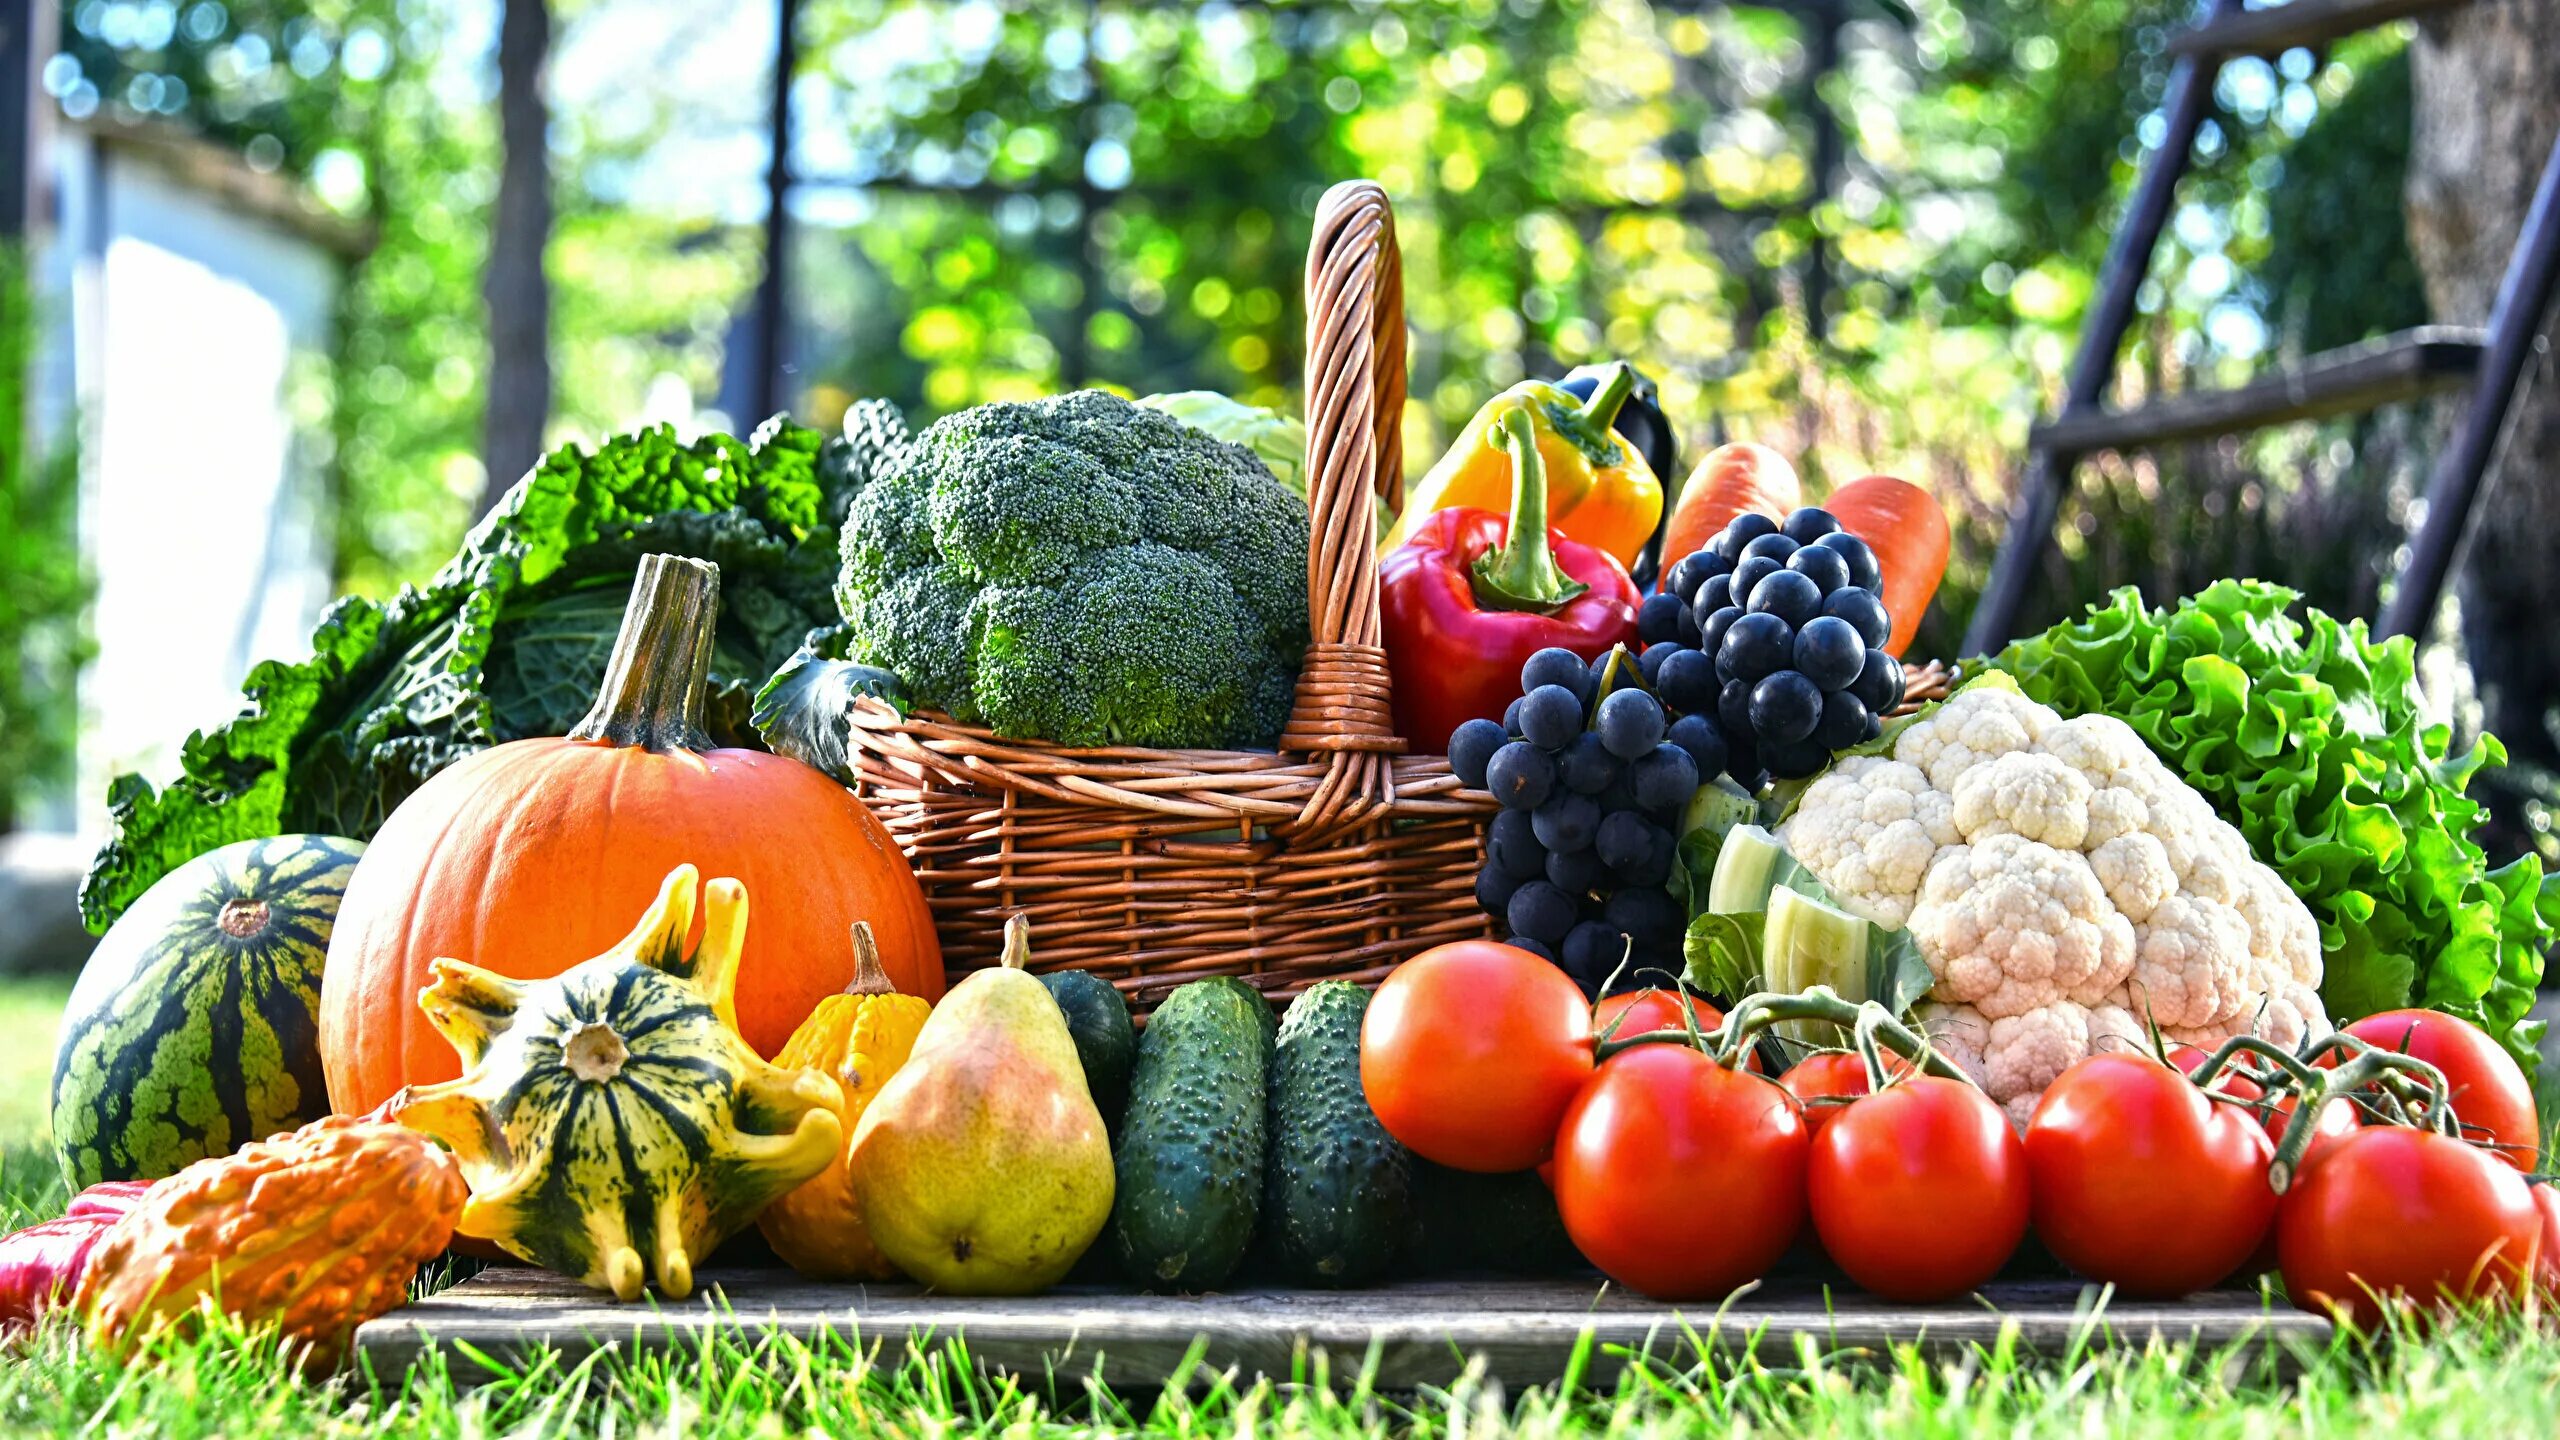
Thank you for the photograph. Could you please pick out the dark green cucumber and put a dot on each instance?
(1506, 1223)
(1189, 1156)
(1337, 1190)
(1098, 1021)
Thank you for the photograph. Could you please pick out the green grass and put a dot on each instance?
(2498, 1378)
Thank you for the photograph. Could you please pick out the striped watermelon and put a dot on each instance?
(191, 1031)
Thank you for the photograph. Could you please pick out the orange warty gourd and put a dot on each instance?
(315, 1232)
(860, 1037)
(535, 854)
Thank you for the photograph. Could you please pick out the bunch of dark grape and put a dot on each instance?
(1594, 775)
(1777, 629)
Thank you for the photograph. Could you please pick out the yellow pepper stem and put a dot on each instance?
(1601, 410)
(1522, 573)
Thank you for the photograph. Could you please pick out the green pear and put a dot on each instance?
(982, 1166)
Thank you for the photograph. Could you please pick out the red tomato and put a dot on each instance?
(2546, 1270)
(2142, 1182)
(1920, 1189)
(2490, 1096)
(1650, 1010)
(2395, 1216)
(1831, 1075)
(1471, 1052)
(1678, 1177)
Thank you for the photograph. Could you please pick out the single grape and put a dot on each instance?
(1741, 530)
(1748, 575)
(1875, 727)
(1685, 627)
(1511, 717)
(1551, 715)
(1523, 942)
(1862, 610)
(1520, 775)
(1808, 524)
(1554, 665)
(1494, 888)
(1655, 867)
(1796, 759)
(1644, 911)
(1712, 596)
(1566, 821)
(1541, 911)
(1864, 571)
(1879, 683)
(1711, 630)
(1844, 722)
(1586, 767)
(1649, 664)
(1821, 565)
(1577, 872)
(1733, 717)
(1755, 646)
(1775, 547)
(1625, 838)
(1470, 746)
(1591, 953)
(1511, 842)
(1699, 734)
(1658, 619)
(1784, 708)
(1664, 779)
(1687, 681)
(1684, 578)
(1830, 652)
(1791, 596)
(1629, 723)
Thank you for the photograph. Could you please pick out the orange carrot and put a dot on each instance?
(1732, 479)
(1904, 526)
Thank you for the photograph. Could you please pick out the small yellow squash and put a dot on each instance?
(860, 1037)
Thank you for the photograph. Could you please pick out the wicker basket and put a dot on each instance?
(1332, 859)
(1335, 857)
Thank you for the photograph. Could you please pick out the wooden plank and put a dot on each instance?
(1421, 1333)
(2336, 382)
(2271, 31)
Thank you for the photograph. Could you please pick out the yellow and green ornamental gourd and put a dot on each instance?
(860, 1037)
(612, 1123)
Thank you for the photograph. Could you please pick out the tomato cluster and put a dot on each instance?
(1682, 1172)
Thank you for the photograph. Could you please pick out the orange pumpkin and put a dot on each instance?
(533, 855)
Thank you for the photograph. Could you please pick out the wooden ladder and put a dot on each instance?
(2412, 363)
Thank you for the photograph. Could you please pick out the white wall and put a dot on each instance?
(189, 323)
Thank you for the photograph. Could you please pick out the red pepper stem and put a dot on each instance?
(1521, 574)
(1601, 410)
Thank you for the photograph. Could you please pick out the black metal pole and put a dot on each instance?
(2048, 473)
(2515, 322)
(766, 395)
(26, 41)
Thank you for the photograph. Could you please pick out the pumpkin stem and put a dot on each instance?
(1017, 942)
(870, 977)
(652, 694)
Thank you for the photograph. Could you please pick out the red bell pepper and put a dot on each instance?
(1471, 596)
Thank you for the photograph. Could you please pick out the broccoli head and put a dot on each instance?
(1084, 571)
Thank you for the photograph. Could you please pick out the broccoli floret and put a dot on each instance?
(917, 628)
(1097, 574)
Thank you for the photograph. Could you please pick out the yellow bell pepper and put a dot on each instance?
(1600, 491)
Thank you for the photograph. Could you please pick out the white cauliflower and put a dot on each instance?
(2064, 887)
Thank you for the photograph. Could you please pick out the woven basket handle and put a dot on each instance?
(1355, 452)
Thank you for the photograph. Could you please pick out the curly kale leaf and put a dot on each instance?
(508, 640)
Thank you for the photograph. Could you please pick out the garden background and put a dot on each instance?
(1861, 231)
